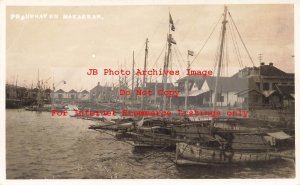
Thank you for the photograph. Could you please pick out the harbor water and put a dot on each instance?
(39, 146)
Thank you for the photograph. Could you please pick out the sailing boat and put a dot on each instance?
(157, 132)
(12, 100)
(165, 132)
(40, 105)
(220, 146)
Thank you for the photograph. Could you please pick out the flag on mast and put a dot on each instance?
(171, 22)
(190, 52)
(171, 39)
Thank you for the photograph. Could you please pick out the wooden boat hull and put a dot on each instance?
(205, 155)
(151, 140)
(13, 104)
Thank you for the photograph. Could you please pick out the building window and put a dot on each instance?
(258, 85)
(60, 96)
(274, 86)
(266, 100)
(220, 98)
(266, 87)
(255, 98)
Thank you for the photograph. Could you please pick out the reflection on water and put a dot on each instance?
(39, 146)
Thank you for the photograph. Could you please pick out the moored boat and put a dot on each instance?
(221, 145)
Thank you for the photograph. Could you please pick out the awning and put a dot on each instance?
(268, 93)
(245, 93)
(279, 135)
(194, 93)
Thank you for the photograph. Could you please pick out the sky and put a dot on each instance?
(66, 49)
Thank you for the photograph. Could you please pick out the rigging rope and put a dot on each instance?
(207, 40)
(241, 38)
(163, 49)
(235, 47)
(180, 54)
(178, 61)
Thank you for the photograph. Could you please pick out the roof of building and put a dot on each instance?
(228, 84)
(72, 91)
(286, 90)
(48, 90)
(245, 71)
(60, 91)
(84, 91)
(267, 70)
(197, 82)
(246, 92)
(191, 77)
(271, 70)
(158, 85)
(100, 88)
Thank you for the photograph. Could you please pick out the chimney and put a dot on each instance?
(262, 63)
(271, 64)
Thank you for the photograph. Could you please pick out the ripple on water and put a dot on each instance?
(39, 146)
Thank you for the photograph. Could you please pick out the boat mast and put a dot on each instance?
(119, 97)
(155, 95)
(145, 68)
(187, 85)
(166, 68)
(16, 89)
(220, 59)
(132, 83)
(125, 79)
(39, 90)
(53, 89)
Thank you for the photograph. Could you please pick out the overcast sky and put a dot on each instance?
(67, 48)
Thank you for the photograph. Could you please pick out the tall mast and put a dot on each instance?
(39, 90)
(16, 89)
(125, 78)
(187, 85)
(166, 67)
(120, 85)
(220, 58)
(170, 41)
(155, 93)
(132, 83)
(52, 94)
(145, 68)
